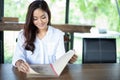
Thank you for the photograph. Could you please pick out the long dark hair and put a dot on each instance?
(30, 30)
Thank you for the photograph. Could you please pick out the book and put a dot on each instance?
(51, 70)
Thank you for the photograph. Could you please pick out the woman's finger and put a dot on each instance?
(73, 59)
(23, 67)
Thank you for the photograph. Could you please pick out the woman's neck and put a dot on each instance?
(42, 33)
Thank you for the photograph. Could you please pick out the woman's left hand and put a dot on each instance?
(73, 59)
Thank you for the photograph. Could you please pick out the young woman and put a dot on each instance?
(38, 42)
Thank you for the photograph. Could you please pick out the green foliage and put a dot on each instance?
(93, 9)
(15, 8)
(89, 10)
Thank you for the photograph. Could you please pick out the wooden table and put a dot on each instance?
(71, 72)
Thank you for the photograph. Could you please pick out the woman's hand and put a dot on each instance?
(73, 59)
(22, 66)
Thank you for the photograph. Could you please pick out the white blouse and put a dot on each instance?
(47, 50)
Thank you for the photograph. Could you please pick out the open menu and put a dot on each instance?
(51, 70)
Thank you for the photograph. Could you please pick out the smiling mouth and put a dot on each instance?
(42, 25)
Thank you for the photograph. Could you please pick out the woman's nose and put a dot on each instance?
(39, 20)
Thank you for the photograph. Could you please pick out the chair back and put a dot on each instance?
(99, 50)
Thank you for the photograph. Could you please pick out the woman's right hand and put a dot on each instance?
(22, 66)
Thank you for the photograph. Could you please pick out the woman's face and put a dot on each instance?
(40, 19)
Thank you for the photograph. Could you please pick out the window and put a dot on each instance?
(101, 13)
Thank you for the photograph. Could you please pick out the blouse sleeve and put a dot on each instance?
(60, 48)
(19, 50)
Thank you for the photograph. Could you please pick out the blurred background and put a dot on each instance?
(104, 14)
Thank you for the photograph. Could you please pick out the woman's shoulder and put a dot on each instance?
(21, 34)
(56, 30)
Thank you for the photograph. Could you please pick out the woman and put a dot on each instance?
(38, 42)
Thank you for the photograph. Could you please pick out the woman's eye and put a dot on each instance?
(34, 18)
(43, 17)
